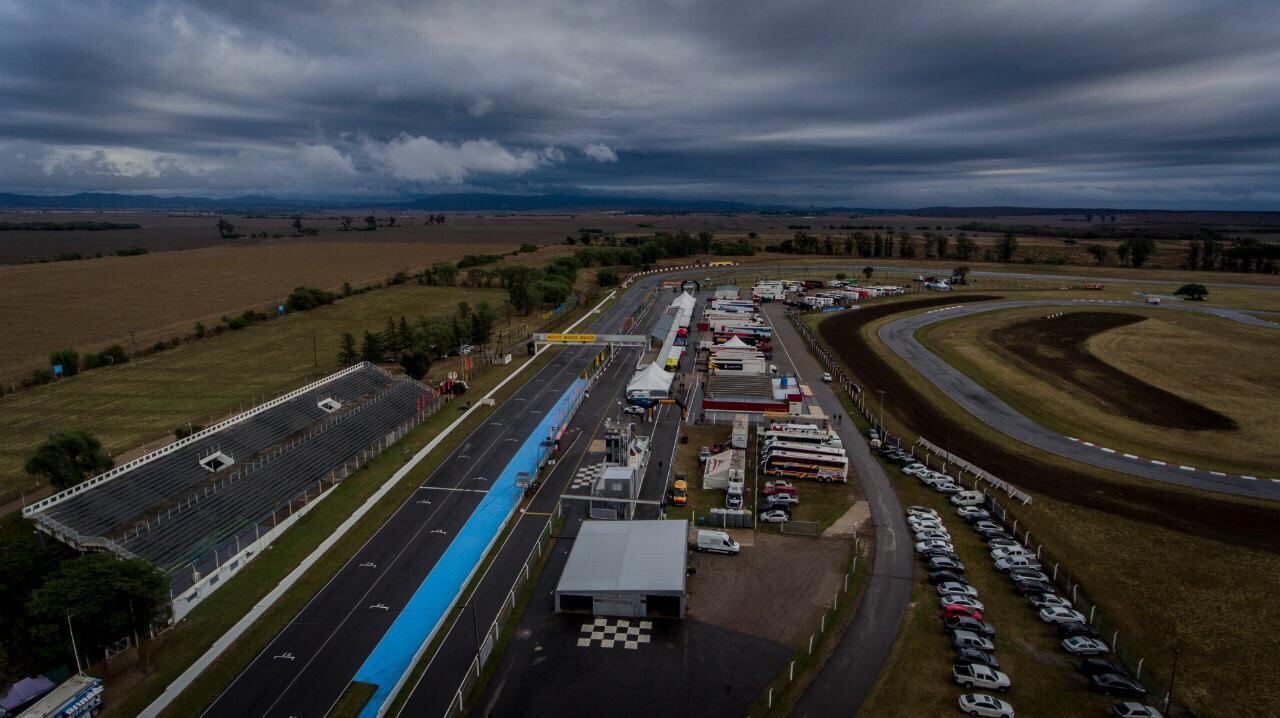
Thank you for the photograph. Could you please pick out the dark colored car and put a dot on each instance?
(1075, 628)
(994, 534)
(938, 577)
(1028, 587)
(965, 623)
(940, 553)
(945, 563)
(1115, 684)
(1100, 666)
(967, 656)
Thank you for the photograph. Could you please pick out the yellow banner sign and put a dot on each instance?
(579, 338)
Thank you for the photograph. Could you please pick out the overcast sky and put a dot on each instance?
(1137, 103)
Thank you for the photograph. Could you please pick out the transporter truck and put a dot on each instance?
(80, 696)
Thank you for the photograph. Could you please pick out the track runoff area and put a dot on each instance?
(377, 616)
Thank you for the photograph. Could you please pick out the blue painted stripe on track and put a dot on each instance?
(422, 615)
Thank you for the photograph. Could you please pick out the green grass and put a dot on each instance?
(201, 382)
(353, 700)
(181, 645)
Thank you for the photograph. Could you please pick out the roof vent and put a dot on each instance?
(217, 461)
(329, 404)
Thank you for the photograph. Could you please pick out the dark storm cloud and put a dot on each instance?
(1121, 102)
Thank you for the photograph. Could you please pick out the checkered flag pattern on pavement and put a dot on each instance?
(615, 633)
(586, 476)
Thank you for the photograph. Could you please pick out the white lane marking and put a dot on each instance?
(1250, 478)
(1130, 456)
(1158, 463)
(451, 488)
(1187, 468)
(1072, 438)
(1109, 451)
(1217, 473)
(1088, 443)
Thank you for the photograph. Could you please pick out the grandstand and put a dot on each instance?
(188, 507)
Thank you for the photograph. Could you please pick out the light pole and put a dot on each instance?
(881, 393)
(1168, 696)
(75, 651)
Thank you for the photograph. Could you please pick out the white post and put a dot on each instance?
(811, 644)
(1091, 608)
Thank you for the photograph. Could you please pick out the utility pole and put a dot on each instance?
(73, 644)
(881, 393)
(1168, 696)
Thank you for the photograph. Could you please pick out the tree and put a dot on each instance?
(942, 241)
(704, 241)
(962, 273)
(68, 358)
(108, 598)
(1122, 253)
(1194, 292)
(607, 278)
(415, 363)
(1140, 250)
(370, 223)
(371, 347)
(67, 458)
(1006, 247)
(391, 221)
(867, 271)
(841, 276)
(347, 355)
(391, 338)
(1099, 252)
(200, 330)
(226, 229)
(346, 223)
(1193, 255)
(445, 273)
(297, 224)
(966, 248)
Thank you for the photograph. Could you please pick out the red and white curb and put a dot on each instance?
(1157, 462)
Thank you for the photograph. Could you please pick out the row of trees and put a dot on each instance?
(416, 345)
(1244, 254)
(903, 245)
(1130, 252)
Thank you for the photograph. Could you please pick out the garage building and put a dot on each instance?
(626, 568)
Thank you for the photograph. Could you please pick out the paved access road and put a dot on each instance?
(310, 662)
(899, 335)
(851, 671)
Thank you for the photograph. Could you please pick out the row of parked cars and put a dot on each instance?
(778, 498)
(975, 666)
(1078, 637)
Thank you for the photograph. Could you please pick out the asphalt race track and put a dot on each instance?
(899, 335)
(309, 664)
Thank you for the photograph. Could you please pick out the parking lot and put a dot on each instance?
(1044, 679)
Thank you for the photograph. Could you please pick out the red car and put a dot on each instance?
(953, 611)
(771, 488)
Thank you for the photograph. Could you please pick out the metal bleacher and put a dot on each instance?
(172, 511)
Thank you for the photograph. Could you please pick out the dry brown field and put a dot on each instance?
(91, 304)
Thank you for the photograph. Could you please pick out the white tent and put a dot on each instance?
(685, 301)
(735, 342)
(651, 382)
(722, 468)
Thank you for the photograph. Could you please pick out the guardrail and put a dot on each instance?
(949, 458)
(116, 472)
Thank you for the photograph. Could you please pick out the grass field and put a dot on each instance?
(1173, 351)
(1163, 579)
(144, 401)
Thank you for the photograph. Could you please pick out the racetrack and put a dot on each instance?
(1201, 515)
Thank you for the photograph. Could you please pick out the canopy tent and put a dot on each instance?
(735, 342)
(722, 468)
(685, 301)
(24, 692)
(650, 382)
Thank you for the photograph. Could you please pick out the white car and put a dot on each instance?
(957, 589)
(972, 512)
(932, 535)
(974, 675)
(972, 641)
(826, 376)
(1005, 565)
(922, 546)
(913, 469)
(999, 553)
(1130, 709)
(916, 519)
(980, 704)
(946, 487)
(1061, 614)
(1045, 600)
(633, 409)
(774, 516)
(1084, 646)
(921, 511)
(919, 526)
(952, 599)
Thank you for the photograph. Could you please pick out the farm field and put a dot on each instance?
(143, 401)
(1169, 566)
(1155, 384)
(88, 305)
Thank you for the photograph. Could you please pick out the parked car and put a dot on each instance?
(919, 523)
(1098, 666)
(913, 469)
(994, 533)
(778, 487)
(1077, 628)
(1115, 684)
(968, 639)
(952, 599)
(987, 525)
(1000, 542)
(969, 656)
(945, 563)
(979, 704)
(1028, 574)
(999, 553)
(958, 588)
(973, 513)
(679, 492)
(1005, 565)
(939, 553)
(922, 546)
(1059, 614)
(777, 500)
(958, 611)
(946, 488)
(774, 516)
(633, 409)
(1027, 588)
(968, 499)
(1044, 600)
(921, 511)
(1130, 709)
(975, 675)
(932, 535)
(826, 376)
(964, 623)
(1084, 646)
(937, 578)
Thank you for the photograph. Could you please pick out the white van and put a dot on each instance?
(967, 498)
(717, 542)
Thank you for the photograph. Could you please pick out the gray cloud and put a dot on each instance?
(1119, 102)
